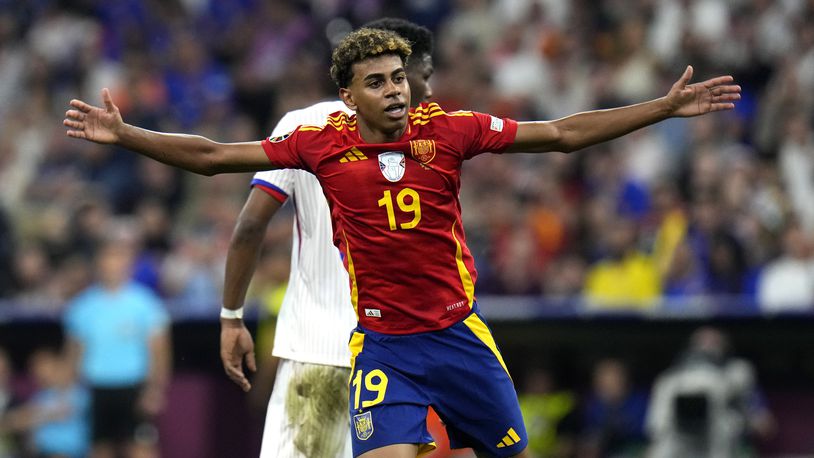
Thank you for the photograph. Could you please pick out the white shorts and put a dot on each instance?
(307, 415)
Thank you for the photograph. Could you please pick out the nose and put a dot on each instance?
(392, 89)
(427, 92)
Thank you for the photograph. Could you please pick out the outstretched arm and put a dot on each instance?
(190, 152)
(236, 345)
(589, 128)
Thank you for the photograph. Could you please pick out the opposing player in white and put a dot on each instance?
(307, 412)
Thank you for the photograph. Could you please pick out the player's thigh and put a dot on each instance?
(307, 413)
(393, 451)
(386, 400)
(474, 394)
(276, 429)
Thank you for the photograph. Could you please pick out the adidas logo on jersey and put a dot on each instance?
(353, 155)
(375, 313)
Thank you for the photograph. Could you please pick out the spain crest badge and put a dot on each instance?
(363, 423)
(422, 150)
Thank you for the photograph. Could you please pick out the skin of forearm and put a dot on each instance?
(588, 128)
(241, 261)
(193, 153)
(189, 152)
(244, 247)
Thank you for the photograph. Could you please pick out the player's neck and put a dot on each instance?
(372, 135)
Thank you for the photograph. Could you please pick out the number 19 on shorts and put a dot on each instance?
(375, 384)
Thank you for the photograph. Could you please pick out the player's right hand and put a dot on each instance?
(92, 123)
(236, 345)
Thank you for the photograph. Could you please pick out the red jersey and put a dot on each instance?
(395, 211)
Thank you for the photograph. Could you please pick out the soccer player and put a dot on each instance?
(316, 317)
(396, 219)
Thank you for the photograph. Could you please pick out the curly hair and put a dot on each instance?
(419, 37)
(364, 44)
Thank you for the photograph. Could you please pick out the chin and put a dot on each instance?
(393, 126)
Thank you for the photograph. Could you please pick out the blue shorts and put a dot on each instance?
(458, 371)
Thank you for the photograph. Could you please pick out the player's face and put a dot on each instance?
(419, 71)
(380, 95)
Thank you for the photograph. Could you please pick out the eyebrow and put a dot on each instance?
(373, 76)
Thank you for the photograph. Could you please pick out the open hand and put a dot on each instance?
(235, 345)
(714, 94)
(92, 123)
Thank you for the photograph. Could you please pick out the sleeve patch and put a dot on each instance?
(496, 125)
(279, 138)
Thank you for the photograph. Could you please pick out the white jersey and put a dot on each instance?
(316, 316)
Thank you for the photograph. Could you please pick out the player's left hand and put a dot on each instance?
(236, 345)
(716, 94)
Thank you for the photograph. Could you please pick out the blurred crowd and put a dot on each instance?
(715, 207)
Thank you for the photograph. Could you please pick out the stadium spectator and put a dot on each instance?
(787, 282)
(118, 341)
(613, 414)
(626, 277)
(551, 413)
(707, 403)
(56, 417)
(796, 163)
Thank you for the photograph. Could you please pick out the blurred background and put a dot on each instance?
(650, 294)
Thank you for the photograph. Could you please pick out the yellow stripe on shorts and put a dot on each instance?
(357, 341)
(479, 328)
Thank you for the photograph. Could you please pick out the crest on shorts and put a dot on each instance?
(391, 164)
(422, 150)
(363, 423)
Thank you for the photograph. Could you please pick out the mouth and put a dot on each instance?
(396, 110)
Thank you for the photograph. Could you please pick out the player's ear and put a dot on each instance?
(347, 96)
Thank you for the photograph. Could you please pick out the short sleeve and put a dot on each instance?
(279, 184)
(487, 133)
(282, 150)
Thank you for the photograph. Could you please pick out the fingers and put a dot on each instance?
(108, 100)
(235, 373)
(73, 120)
(73, 124)
(728, 89)
(80, 105)
(718, 81)
(726, 98)
(251, 363)
(685, 78)
(75, 115)
(721, 106)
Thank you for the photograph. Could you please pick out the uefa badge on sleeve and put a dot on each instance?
(363, 423)
(391, 164)
(280, 138)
